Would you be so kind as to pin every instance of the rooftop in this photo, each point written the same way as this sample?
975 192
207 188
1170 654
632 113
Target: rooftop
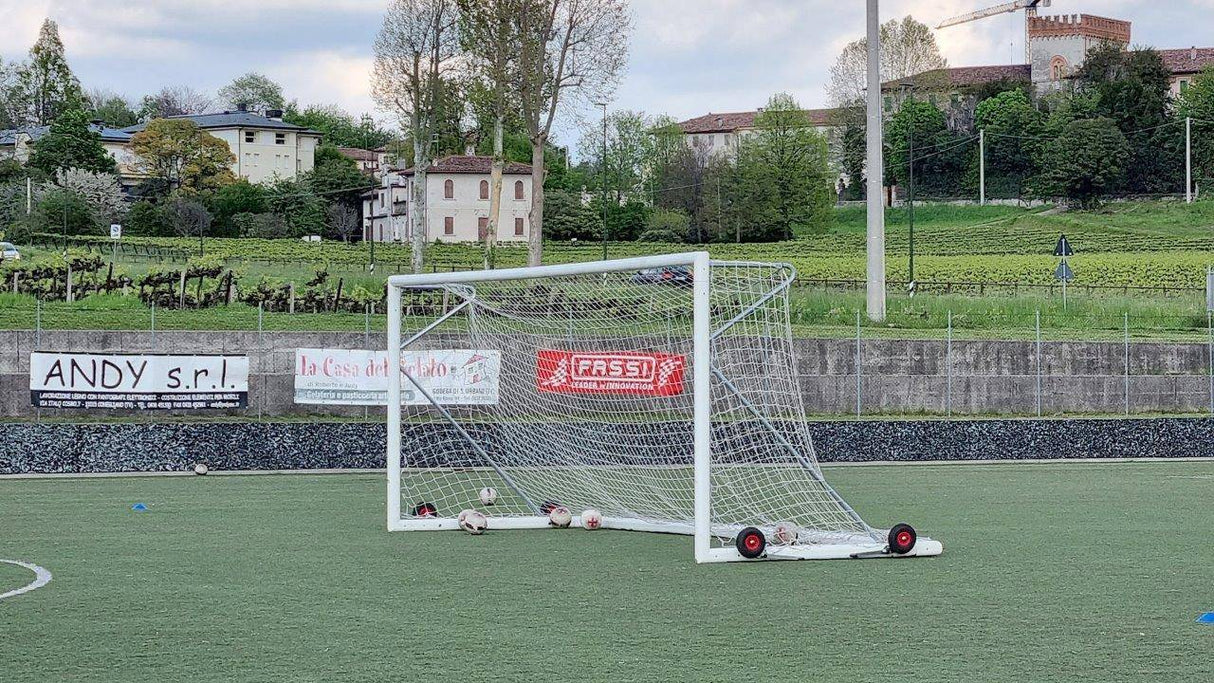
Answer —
232 119
456 164
1189 60
727 123
9 137
966 76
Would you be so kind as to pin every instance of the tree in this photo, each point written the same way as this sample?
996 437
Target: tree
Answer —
46 81
189 218
1198 102
64 212
784 165
100 190
940 154
71 143
680 182
145 219
174 101
12 104
253 91
853 157
1086 161
570 219
230 200
413 55
567 49
1011 122
490 38
182 155
343 220
301 210
1134 90
908 48
110 109
336 177
631 153
338 127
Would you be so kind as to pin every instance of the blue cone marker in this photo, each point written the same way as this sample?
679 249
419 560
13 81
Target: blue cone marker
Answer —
139 507
1207 618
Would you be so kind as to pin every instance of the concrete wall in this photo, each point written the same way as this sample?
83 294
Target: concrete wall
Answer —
85 448
896 376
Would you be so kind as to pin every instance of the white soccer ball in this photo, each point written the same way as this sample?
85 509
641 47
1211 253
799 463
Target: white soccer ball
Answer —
201 469
592 519
785 534
488 495
560 517
473 522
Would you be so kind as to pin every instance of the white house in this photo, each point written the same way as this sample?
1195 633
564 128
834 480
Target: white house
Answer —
457 202
266 147
721 133
19 143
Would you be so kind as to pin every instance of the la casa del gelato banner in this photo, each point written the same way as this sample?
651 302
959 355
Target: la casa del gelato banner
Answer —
360 377
88 381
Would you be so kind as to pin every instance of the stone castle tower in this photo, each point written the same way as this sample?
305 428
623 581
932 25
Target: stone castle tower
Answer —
1058 44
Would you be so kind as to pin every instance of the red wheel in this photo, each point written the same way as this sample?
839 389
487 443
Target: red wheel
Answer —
902 539
425 510
751 543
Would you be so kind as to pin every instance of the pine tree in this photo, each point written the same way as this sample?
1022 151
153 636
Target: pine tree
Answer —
47 83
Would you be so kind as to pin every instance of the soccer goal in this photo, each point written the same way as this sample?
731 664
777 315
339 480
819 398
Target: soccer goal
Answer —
660 392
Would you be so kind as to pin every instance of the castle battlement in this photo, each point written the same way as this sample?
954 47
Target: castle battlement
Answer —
1080 26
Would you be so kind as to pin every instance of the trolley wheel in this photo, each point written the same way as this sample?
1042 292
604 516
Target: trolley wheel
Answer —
902 539
751 543
425 510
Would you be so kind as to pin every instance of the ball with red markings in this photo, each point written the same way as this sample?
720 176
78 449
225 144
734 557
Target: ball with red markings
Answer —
592 519
560 517
473 522
785 533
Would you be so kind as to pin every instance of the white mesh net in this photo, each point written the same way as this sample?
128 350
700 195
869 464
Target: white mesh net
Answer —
595 404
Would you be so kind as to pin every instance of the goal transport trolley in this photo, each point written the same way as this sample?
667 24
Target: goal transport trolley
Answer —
659 391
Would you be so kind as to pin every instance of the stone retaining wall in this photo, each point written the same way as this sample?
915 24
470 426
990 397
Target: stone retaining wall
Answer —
85 448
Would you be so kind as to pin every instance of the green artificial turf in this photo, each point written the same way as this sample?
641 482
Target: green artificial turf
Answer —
1051 572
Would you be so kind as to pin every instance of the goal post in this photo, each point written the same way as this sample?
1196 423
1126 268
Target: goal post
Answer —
660 391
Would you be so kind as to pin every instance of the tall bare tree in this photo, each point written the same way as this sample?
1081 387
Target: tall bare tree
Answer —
343 220
568 50
414 53
908 48
489 38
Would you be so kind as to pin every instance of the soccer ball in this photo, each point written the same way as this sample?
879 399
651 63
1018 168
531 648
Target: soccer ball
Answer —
473 522
201 469
785 534
592 519
560 517
488 495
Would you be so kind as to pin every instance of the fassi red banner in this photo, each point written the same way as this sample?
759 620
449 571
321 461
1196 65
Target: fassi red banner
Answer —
624 372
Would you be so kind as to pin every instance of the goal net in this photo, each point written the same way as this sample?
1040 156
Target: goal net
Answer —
661 392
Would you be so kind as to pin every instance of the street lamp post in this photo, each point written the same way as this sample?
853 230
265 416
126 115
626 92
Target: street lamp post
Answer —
603 170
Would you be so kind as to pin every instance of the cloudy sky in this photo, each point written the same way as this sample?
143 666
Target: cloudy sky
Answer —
688 57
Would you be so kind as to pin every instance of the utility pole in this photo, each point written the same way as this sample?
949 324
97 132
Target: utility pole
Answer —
1188 159
875 239
910 189
982 167
603 169
29 196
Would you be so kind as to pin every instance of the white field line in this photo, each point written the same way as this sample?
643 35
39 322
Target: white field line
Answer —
41 578
825 465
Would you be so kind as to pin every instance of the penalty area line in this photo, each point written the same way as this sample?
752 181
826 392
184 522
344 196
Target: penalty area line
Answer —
41 578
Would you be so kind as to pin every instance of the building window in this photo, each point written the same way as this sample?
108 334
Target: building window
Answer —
449 189
518 227
518 190
482 228
1184 85
449 224
484 189
280 138
1058 68
250 136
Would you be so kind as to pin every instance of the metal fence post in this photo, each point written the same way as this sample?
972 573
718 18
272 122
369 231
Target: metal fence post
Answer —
948 391
38 324
859 368
153 324
261 343
367 345
1038 362
1210 356
1127 364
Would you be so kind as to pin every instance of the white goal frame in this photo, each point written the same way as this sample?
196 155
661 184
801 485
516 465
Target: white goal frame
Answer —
702 333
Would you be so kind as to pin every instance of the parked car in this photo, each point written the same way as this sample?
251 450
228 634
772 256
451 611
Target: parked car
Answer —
679 276
8 251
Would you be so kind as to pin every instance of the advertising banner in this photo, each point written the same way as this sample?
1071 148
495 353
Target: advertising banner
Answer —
360 377
85 381
608 372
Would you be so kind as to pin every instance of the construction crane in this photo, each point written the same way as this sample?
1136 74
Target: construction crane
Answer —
1030 11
